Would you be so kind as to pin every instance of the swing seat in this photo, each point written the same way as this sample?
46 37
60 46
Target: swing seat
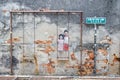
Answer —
63 58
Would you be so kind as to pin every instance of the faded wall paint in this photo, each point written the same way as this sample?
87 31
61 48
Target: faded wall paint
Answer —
105 8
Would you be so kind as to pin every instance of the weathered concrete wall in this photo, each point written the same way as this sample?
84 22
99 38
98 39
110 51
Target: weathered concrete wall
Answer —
105 8
100 8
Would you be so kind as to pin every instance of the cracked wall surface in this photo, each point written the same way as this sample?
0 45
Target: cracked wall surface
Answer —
39 33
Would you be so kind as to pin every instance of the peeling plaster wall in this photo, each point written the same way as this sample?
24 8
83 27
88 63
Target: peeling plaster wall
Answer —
105 8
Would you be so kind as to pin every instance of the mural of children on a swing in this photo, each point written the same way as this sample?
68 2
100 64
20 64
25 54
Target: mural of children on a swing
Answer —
60 43
63 44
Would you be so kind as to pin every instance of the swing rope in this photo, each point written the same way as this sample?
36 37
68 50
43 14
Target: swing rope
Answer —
23 34
34 33
35 58
57 34
68 33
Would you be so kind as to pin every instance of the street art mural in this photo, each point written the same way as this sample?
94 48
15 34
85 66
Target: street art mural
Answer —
50 44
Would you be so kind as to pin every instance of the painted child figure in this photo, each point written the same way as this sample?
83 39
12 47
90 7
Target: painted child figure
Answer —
60 42
66 46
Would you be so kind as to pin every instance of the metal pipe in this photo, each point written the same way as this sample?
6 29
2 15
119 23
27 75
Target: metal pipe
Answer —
95 50
11 45
49 11
81 22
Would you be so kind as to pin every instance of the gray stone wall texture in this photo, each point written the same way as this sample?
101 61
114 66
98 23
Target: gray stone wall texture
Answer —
30 59
105 8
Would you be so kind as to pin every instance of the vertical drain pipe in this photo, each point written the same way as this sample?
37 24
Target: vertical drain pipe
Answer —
81 22
95 48
11 45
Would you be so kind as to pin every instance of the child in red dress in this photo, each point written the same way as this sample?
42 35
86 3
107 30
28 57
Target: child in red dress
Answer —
66 46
